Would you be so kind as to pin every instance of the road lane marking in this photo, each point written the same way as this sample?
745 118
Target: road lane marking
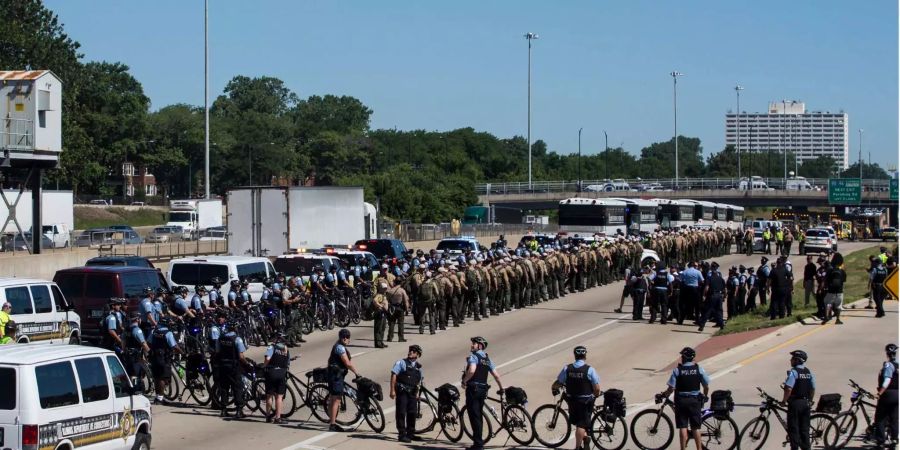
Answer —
307 444
783 344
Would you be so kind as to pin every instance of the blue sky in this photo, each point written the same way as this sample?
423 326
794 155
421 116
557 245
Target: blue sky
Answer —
600 65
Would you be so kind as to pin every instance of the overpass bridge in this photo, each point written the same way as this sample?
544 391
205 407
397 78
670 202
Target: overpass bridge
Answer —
546 195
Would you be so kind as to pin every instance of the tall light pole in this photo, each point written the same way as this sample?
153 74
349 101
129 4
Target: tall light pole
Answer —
860 154
675 74
206 94
737 91
606 153
529 37
579 159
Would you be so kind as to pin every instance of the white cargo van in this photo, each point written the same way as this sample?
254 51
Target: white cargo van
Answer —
68 397
191 272
40 311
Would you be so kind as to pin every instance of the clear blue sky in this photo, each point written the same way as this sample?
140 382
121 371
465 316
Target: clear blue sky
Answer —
598 65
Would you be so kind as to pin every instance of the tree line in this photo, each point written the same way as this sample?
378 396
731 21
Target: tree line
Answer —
262 132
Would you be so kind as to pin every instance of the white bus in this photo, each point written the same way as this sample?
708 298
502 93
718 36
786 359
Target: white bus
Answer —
735 217
592 215
675 213
641 216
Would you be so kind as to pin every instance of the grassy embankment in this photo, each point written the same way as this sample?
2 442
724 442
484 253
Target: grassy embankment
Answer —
856 288
90 217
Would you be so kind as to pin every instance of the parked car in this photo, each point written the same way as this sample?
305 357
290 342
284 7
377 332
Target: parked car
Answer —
888 233
93 236
214 234
40 311
20 244
120 260
818 240
100 202
165 234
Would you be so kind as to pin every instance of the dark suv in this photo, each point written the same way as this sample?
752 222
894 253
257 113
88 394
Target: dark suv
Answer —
120 260
89 289
391 248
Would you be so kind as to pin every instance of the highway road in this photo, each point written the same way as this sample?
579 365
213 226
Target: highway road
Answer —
530 346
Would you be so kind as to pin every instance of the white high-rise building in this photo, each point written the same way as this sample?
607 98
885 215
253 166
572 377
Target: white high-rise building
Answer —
788 126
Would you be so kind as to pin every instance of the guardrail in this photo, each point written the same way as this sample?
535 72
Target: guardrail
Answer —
656 185
107 243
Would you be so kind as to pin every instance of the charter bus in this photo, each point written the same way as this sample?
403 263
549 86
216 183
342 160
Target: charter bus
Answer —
721 215
675 213
735 217
640 215
592 215
704 212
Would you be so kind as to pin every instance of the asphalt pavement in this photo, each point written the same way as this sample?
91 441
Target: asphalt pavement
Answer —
531 346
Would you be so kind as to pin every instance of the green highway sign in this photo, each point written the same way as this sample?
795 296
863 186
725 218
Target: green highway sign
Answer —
844 191
894 189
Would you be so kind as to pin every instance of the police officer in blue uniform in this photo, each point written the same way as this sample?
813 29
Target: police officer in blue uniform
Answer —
180 306
691 280
162 346
715 295
662 281
339 363
113 326
147 311
877 276
582 387
762 279
277 362
475 382
886 410
686 381
215 294
799 390
233 294
406 376
135 347
229 374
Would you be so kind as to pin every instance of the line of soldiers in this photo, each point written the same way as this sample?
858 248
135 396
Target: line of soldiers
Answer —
439 290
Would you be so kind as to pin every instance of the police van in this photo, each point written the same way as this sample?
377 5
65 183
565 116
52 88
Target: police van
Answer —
191 272
54 397
40 311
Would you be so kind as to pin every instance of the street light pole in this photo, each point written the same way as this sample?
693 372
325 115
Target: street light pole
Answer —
675 74
860 154
579 159
606 153
529 37
737 90
206 94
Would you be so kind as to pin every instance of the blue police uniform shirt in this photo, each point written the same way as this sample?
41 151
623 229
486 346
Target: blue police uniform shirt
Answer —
138 335
196 303
751 280
214 296
270 350
245 296
215 331
691 277
232 297
276 287
111 322
238 342
339 349
170 339
120 317
397 271
266 294
179 300
400 367
158 309
341 275
704 379
792 377
766 270
888 372
473 360
146 307
592 374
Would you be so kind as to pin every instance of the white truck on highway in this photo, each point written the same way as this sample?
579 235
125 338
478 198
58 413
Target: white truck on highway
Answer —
195 216
273 221
57 215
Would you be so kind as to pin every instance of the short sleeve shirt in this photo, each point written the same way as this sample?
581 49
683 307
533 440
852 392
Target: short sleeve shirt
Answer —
704 378
792 378
592 374
473 360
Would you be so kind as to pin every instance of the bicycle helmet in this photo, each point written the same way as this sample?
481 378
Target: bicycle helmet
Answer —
481 341
183 289
199 288
148 290
344 333
161 291
267 282
235 283
580 351
245 282
800 355
688 354
891 349
215 281
416 348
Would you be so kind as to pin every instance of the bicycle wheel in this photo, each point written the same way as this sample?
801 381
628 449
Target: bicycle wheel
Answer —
609 435
255 398
306 323
822 431
291 401
199 389
342 317
517 422
754 434
355 316
145 377
426 416
321 319
317 400
487 429
718 433
450 422
349 413
551 425
174 387
652 430
846 426
374 415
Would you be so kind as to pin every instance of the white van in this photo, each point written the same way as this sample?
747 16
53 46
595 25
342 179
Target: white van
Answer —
40 311
755 183
797 184
69 397
199 271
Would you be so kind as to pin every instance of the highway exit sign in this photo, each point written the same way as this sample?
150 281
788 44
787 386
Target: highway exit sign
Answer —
894 189
844 191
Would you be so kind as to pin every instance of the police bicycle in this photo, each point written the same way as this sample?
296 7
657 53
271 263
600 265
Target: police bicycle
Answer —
356 404
552 427
512 417
324 311
653 429
439 409
847 421
190 379
822 428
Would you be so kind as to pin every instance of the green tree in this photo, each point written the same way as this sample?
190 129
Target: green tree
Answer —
658 159
821 167
344 115
869 171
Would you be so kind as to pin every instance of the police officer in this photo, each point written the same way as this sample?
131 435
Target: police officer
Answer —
640 287
113 326
162 346
229 360
886 410
686 380
478 366
715 295
179 307
876 279
691 280
135 347
406 376
380 306
148 314
762 279
799 390
339 363
215 294
662 285
582 386
398 304
233 294
277 362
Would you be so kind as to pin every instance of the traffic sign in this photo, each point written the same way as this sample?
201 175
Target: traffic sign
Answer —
894 189
891 286
844 191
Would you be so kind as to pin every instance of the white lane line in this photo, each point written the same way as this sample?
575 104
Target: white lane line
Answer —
307 444
725 371
563 341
